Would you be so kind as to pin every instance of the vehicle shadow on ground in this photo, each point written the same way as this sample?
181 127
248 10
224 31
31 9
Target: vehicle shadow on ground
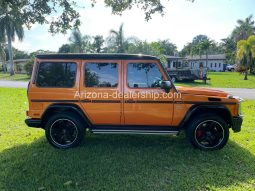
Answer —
127 162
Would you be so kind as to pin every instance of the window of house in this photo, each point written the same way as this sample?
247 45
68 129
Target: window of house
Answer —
56 74
215 65
211 65
101 74
143 75
219 65
169 64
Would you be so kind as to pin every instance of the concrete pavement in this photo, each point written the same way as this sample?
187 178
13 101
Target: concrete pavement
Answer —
244 93
13 84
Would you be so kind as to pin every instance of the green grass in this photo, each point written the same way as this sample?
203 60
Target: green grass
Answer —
119 162
16 77
224 80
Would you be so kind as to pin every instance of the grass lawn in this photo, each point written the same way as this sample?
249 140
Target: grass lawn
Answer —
119 162
224 80
16 77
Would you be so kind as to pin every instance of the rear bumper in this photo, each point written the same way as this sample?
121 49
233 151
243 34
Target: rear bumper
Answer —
33 122
237 123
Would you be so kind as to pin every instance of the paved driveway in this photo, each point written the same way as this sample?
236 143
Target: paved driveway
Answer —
244 93
241 92
13 84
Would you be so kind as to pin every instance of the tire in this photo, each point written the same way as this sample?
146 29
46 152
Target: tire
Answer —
208 132
64 131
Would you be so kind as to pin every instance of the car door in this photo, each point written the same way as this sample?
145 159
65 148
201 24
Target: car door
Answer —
100 83
145 103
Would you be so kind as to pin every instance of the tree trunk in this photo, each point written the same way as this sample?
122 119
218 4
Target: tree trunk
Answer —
9 46
247 68
246 74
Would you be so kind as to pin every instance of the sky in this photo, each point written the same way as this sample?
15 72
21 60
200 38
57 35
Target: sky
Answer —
182 21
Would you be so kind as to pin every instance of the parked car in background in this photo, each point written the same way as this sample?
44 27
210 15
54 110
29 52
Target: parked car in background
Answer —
231 67
185 73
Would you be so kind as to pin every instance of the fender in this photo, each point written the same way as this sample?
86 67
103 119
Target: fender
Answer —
195 109
65 107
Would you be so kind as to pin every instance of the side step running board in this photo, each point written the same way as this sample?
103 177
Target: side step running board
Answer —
100 131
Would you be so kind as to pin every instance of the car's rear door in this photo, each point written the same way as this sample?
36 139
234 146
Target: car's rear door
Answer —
100 85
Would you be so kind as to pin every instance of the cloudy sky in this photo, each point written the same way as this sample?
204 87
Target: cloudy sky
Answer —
183 20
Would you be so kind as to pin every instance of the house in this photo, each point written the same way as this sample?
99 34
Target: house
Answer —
174 62
19 65
215 62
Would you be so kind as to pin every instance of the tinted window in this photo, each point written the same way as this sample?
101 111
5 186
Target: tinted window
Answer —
143 75
101 75
56 74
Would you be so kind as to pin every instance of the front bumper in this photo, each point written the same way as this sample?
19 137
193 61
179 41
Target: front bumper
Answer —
33 122
237 123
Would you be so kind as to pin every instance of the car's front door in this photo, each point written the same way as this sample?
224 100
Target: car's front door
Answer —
100 83
145 103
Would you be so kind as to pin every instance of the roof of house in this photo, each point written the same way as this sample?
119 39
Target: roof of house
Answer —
19 61
174 57
97 56
210 57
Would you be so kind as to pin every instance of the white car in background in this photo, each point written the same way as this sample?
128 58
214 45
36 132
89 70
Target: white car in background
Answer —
231 67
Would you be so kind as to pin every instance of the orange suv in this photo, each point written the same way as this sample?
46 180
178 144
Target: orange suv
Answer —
126 94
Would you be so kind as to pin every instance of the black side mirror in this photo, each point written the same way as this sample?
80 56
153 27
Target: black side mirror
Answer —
166 85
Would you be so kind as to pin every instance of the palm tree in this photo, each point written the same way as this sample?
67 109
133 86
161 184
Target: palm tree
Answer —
244 29
11 26
229 46
119 39
205 45
2 54
98 43
246 51
77 41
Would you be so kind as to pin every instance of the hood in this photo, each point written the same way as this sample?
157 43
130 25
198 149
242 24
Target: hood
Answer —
202 91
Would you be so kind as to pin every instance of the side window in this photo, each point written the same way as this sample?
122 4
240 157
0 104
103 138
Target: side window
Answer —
143 75
56 74
101 75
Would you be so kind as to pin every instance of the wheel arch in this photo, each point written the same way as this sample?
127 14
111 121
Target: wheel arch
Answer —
59 108
196 110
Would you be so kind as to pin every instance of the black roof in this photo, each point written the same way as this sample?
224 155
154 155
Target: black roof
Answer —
97 56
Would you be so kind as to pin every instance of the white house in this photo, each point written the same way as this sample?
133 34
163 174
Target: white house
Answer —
215 62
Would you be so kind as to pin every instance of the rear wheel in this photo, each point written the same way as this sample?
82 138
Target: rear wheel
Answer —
64 130
208 132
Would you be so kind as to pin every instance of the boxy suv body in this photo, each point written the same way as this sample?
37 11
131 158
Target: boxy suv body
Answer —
118 93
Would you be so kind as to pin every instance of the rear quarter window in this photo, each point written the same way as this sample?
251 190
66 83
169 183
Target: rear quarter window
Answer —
56 74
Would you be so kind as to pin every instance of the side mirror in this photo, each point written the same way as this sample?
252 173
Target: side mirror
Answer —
166 85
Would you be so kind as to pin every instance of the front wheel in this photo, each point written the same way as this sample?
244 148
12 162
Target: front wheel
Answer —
208 132
64 130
